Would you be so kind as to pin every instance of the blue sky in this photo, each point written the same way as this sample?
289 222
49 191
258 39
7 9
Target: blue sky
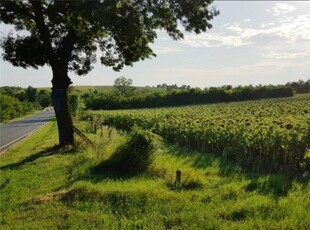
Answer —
251 42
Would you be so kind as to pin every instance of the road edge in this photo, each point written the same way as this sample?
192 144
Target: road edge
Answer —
5 147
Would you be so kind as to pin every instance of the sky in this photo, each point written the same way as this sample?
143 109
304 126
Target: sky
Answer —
251 42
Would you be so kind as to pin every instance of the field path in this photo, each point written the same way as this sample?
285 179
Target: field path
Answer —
15 131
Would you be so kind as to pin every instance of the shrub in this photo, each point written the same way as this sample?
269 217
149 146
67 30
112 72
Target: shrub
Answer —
11 107
135 155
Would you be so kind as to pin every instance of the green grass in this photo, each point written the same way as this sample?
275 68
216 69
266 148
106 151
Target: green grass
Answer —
45 188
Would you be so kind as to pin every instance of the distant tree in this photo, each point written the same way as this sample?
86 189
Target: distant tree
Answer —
31 94
172 86
300 86
44 98
227 87
11 90
187 87
22 96
164 86
65 35
123 86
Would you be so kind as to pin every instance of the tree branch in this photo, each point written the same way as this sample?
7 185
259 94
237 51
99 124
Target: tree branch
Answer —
67 45
43 31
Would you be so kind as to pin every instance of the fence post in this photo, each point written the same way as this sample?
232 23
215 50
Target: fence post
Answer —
177 181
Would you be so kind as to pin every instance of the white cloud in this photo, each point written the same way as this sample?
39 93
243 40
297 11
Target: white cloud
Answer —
281 8
289 29
160 49
264 25
286 55
212 40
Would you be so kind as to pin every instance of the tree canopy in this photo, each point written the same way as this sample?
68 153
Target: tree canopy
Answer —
123 86
68 33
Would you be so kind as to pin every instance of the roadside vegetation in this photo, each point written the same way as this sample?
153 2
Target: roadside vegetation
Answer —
11 107
17 102
127 180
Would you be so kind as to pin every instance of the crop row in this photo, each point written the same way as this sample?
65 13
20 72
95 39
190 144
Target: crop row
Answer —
272 135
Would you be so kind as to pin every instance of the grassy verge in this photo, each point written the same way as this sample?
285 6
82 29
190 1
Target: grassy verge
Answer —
44 188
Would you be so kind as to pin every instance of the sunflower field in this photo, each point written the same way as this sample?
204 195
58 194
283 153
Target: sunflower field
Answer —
270 135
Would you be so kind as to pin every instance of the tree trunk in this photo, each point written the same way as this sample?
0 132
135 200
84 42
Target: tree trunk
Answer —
64 121
61 82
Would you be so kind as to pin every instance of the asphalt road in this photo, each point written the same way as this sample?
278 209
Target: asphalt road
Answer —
12 132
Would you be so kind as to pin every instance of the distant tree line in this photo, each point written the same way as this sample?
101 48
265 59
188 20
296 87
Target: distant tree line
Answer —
38 97
184 96
300 86
16 101
174 86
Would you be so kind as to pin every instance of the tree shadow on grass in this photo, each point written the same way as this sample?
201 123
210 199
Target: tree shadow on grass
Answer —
125 163
116 168
274 184
99 172
107 170
43 153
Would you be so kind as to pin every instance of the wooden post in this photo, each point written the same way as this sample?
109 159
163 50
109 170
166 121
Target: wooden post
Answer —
177 181
95 128
110 133
82 135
